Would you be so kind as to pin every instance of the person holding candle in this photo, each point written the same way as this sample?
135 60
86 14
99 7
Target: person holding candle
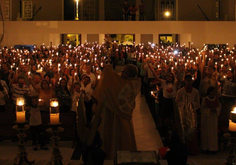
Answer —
210 110
64 96
35 122
207 81
75 92
45 93
87 89
37 82
228 96
169 86
25 74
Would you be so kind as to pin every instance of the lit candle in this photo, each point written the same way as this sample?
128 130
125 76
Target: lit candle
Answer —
20 117
54 111
99 77
54 118
232 125
20 111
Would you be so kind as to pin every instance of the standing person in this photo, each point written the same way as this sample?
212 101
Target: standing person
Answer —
64 96
87 90
37 80
210 110
116 107
45 93
133 10
5 73
192 95
125 10
141 11
75 93
169 86
35 122
19 89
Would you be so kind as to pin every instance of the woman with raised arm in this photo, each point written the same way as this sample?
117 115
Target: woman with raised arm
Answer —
169 93
45 94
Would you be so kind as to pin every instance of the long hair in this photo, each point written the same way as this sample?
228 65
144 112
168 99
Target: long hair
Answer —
43 82
66 88
173 79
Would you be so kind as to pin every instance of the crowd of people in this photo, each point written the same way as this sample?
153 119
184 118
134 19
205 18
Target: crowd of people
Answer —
204 78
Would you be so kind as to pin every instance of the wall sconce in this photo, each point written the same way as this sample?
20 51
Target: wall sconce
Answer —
77 10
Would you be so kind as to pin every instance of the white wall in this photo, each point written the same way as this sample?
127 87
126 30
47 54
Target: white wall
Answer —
38 32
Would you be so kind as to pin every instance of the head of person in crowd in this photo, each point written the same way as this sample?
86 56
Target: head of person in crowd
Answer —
129 71
66 77
209 71
10 61
44 85
21 81
211 92
32 62
25 69
63 84
188 80
33 69
5 67
223 69
47 68
37 78
86 79
34 101
88 69
47 78
55 70
77 87
170 78
230 75
72 72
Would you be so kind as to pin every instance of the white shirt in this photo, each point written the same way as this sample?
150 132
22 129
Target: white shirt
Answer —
88 90
194 98
35 117
33 92
169 90
92 77
75 98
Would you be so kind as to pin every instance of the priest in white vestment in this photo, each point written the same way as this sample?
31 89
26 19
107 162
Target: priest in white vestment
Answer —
115 99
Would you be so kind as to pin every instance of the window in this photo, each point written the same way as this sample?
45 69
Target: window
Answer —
168 39
71 39
124 39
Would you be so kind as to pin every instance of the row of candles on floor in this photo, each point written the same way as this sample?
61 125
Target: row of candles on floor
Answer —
54 110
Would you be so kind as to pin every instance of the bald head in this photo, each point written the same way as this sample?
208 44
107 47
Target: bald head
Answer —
130 71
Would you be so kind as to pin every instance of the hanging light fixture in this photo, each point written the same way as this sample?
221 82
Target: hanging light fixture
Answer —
77 10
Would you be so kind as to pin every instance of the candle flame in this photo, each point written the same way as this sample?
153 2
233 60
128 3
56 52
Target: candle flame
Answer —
234 111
